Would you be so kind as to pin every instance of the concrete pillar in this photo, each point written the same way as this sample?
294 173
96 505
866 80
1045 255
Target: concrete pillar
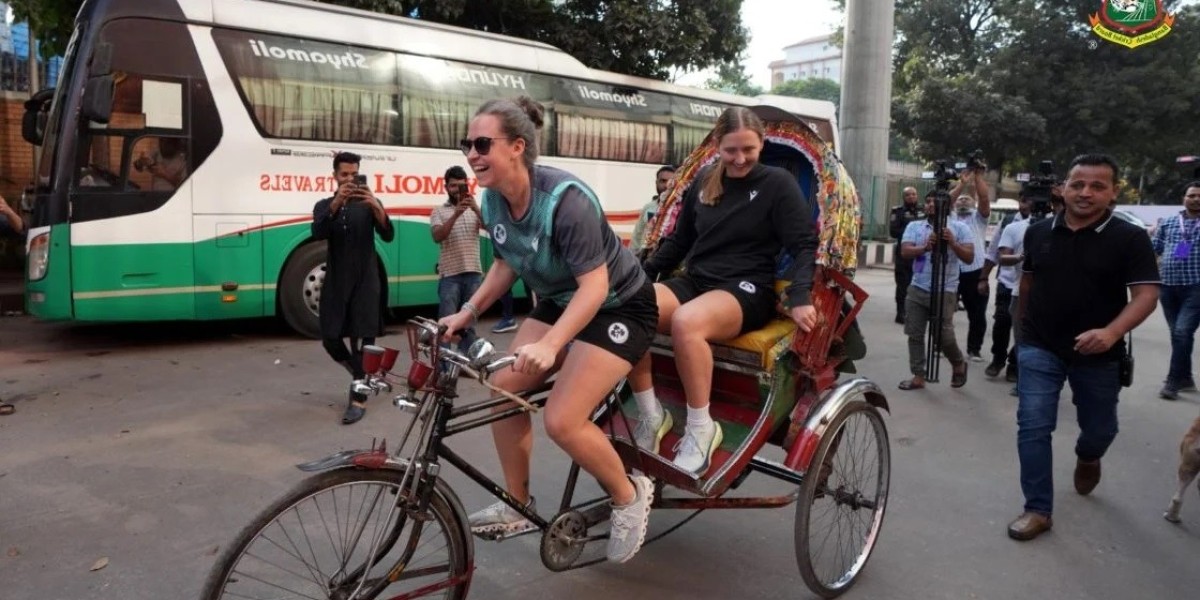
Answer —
866 105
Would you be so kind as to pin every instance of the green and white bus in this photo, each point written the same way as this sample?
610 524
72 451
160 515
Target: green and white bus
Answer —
188 140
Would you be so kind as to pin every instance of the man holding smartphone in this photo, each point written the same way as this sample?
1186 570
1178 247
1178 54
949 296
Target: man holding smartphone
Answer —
352 299
455 227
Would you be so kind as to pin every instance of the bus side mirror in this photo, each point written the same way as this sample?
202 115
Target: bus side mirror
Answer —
33 122
33 126
98 99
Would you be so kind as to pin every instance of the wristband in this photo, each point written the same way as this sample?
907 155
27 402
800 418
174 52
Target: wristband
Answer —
471 308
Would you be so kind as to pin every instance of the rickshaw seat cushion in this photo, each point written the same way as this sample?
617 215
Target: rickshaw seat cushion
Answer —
763 341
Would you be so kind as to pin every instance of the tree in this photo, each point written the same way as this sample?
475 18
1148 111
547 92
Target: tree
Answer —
626 36
732 79
1025 80
815 89
51 20
634 37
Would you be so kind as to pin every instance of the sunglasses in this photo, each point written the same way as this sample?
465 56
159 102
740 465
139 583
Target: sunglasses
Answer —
482 145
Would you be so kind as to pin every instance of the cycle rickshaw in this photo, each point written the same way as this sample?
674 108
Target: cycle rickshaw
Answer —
378 524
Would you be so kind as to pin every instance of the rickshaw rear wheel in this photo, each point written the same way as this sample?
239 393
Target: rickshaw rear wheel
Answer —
839 513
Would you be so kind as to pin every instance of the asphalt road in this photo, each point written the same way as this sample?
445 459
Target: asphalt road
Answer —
152 445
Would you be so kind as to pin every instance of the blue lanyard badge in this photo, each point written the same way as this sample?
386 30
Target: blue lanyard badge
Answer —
1183 249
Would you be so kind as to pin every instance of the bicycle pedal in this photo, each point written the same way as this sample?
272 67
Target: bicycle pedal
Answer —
500 536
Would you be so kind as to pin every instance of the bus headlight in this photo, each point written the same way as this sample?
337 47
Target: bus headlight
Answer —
39 257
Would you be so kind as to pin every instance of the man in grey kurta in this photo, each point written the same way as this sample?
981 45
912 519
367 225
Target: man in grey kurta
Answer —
352 298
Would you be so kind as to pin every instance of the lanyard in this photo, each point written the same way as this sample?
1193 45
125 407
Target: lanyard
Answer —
1187 233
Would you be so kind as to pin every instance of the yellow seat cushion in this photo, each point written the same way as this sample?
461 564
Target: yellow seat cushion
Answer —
758 347
762 341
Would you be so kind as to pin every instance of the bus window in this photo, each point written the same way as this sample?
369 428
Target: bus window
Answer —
685 139
306 90
609 139
160 163
441 96
100 163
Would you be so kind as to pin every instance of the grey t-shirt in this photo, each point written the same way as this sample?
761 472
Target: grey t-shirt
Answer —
580 240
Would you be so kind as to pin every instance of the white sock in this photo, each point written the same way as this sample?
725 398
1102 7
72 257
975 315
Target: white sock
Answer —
698 419
647 402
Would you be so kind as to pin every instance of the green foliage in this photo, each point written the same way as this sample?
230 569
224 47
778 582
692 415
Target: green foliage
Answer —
732 79
52 21
648 39
816 89
1025 80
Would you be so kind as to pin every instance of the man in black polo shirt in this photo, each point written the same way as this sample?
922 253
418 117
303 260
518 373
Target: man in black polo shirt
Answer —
1088 279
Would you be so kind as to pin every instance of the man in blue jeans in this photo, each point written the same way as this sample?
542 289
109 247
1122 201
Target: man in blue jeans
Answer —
455 226
1177 241
1087 280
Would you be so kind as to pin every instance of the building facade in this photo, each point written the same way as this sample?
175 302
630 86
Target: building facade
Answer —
814 58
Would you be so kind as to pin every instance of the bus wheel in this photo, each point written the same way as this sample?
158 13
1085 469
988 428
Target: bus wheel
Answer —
300 290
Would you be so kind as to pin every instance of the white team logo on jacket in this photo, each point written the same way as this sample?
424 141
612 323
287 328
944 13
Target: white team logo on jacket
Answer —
534 243
747 287
618 333
499 233
753 195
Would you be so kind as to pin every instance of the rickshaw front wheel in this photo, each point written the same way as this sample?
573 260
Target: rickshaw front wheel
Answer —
840 510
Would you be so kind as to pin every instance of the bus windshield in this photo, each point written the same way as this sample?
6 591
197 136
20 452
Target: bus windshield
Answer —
54 123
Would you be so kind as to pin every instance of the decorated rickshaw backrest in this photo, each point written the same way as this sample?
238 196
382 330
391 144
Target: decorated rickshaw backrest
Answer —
792 145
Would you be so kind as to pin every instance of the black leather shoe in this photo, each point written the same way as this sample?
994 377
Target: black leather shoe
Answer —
355 409
1087 475
993 369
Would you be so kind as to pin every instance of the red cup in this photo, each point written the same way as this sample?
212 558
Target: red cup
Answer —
389 359
418 375
372 355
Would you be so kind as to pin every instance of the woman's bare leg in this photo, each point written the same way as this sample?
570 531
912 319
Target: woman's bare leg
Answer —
714 315
640 378
514 436
588 374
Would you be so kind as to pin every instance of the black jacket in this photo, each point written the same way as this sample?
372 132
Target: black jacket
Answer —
351 297
901 216
740 238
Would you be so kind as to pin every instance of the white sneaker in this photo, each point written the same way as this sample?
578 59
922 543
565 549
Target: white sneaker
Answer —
500 518
628 529
650 430
693 452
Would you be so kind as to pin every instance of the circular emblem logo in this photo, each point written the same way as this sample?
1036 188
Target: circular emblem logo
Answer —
747 287
499 233
618 333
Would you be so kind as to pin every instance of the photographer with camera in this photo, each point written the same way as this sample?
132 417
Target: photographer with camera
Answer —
455 228
901 216
1176 242
1088 279
351 295
937 257
973 211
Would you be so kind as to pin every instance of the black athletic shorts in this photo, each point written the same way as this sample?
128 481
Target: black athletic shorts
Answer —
625 330
757 301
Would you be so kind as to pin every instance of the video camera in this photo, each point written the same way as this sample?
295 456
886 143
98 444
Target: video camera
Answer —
945 173
1039 189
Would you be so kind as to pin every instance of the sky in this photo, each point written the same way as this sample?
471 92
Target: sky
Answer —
774 24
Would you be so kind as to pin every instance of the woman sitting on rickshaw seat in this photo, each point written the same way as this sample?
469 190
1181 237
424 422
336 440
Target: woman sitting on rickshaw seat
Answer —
734 221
